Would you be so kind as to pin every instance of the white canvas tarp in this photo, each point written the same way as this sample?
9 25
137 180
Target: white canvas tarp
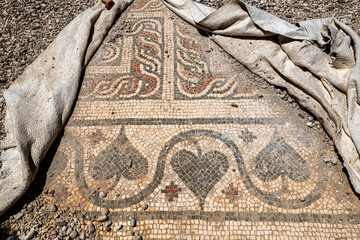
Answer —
40 101
317 62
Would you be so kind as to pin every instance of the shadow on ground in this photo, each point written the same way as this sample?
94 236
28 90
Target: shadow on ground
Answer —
34 191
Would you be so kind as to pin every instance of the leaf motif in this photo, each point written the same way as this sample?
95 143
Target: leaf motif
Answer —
279 158
114 160
200 173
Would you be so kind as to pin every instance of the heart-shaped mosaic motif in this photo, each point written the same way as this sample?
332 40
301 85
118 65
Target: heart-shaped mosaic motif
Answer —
279 158
200 173
121 159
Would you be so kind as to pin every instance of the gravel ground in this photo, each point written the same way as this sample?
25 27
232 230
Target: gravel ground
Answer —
348 11
26 29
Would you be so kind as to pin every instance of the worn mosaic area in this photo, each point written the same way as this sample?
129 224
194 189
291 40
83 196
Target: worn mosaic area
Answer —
165 119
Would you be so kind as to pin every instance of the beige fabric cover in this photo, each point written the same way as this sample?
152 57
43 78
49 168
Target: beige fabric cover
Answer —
314 60
41 99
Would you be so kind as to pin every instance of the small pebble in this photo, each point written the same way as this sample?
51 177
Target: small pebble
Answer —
22 236
102 194
82 236
52 232
146 206
18 215
68 231
73 234
129 163
30 234
309 124
133 222
91 227
102 218
104 211
118 227
138 238
29 210
62 223
53 208
107 228
302 199
108 224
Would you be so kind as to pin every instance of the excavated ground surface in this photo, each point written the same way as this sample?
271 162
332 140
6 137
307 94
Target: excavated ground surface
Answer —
171 131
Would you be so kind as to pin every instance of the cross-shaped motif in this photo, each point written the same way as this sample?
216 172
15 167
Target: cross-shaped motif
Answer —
96 136
231 192
171 191
247 136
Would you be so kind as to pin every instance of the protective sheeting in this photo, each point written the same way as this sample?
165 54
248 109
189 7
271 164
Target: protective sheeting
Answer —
41 99
314 60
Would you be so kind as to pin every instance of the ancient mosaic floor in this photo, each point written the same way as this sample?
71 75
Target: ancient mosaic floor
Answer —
166 119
